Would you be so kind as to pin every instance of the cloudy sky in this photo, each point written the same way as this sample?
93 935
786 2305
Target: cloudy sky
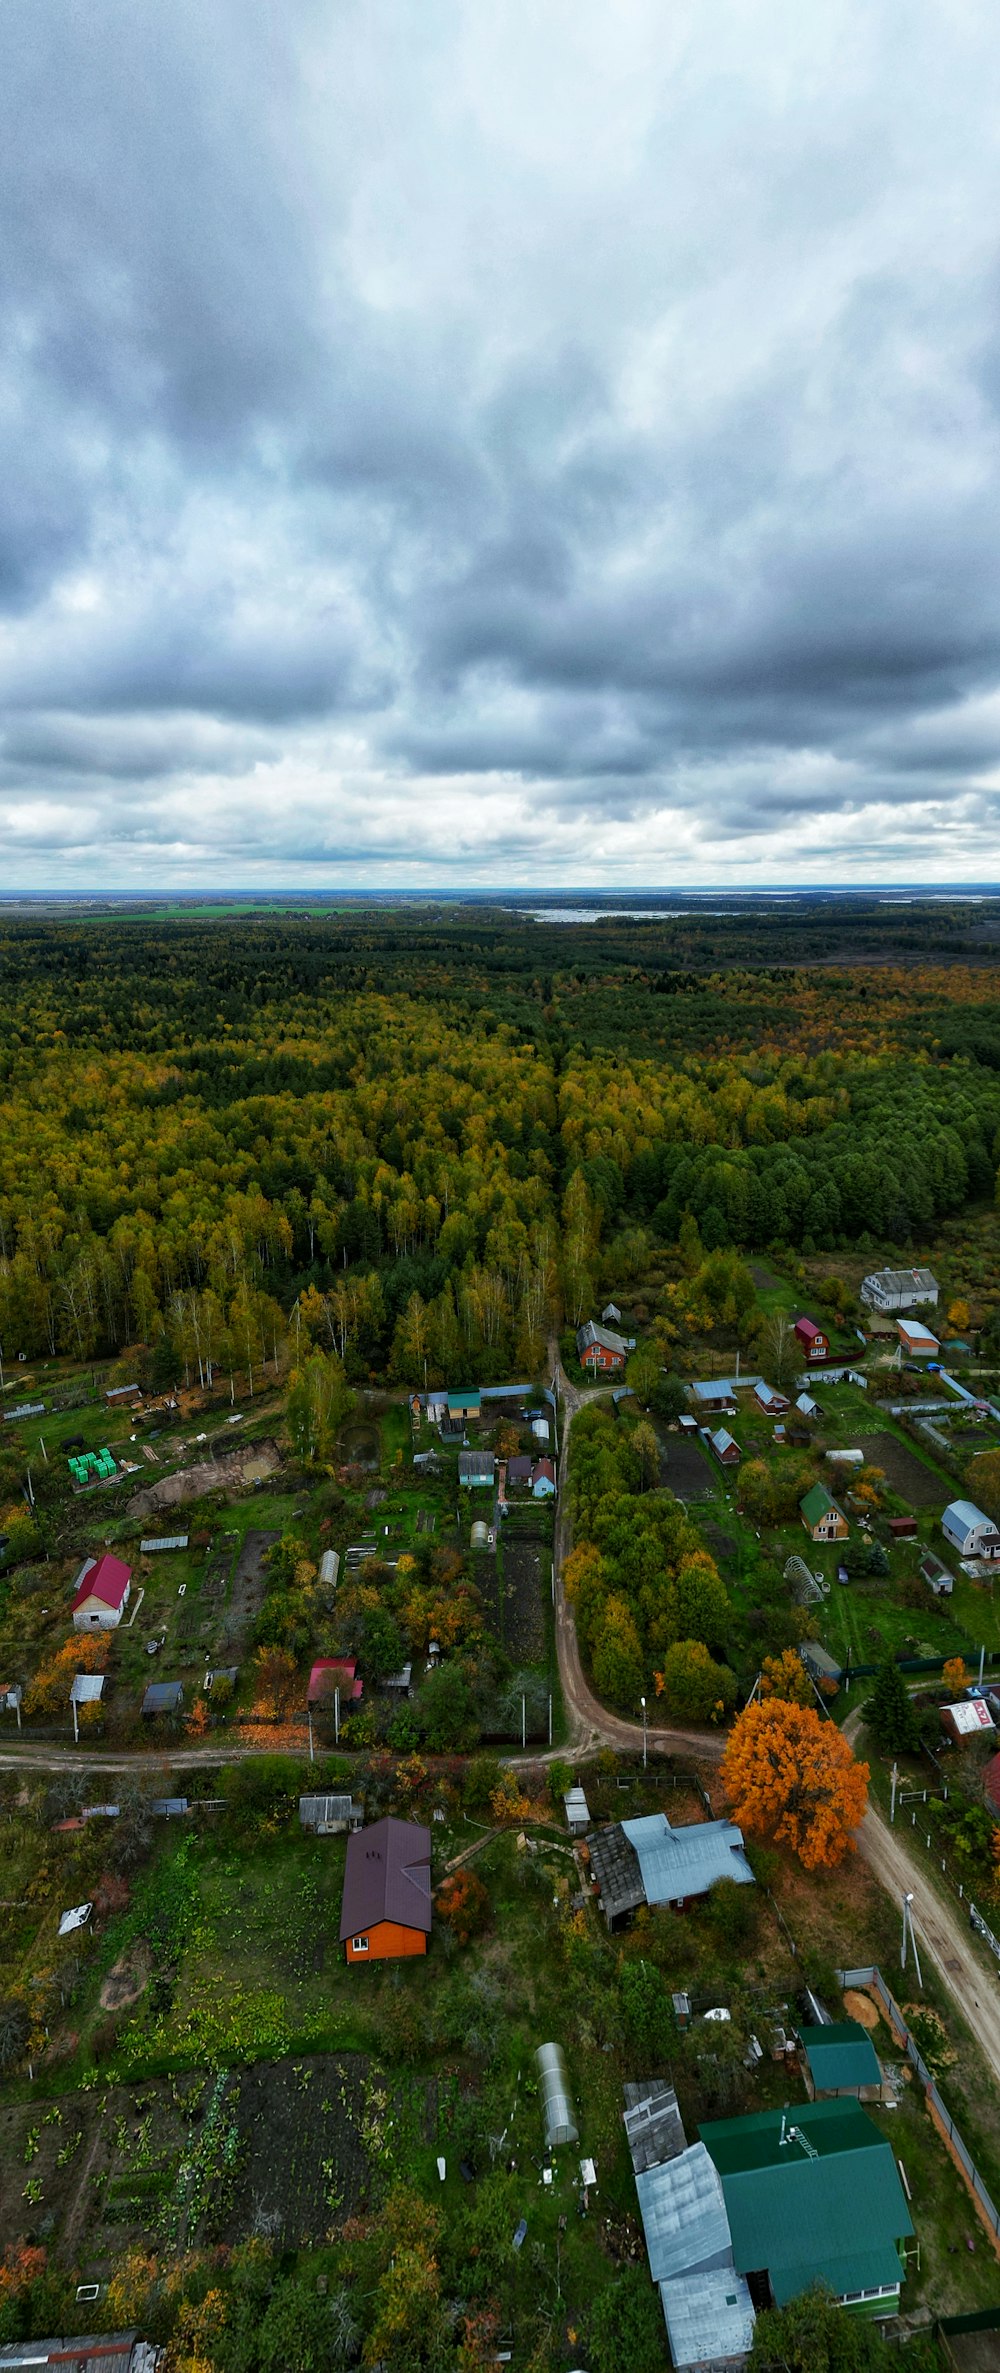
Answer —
533 442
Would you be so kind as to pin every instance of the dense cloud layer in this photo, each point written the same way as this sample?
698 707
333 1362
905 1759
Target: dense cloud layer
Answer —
454 444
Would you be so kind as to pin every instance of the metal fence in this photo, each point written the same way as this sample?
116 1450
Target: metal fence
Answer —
874 1979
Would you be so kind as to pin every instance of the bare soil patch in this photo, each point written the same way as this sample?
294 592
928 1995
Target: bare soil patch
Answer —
722 1545
903 1471
522 1625
128 1977
307 2130
684 1470
235 1472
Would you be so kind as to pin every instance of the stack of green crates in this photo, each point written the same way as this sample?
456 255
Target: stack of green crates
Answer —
92 1466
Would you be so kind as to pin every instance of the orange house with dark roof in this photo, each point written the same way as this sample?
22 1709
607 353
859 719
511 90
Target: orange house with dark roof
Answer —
386 1908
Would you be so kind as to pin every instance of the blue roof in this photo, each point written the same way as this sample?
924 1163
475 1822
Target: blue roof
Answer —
721 1391
686 1861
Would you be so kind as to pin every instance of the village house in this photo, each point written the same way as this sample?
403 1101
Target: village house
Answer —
519 1473
464 1407
476 1469
713 1398
543 1479
822 1518
811 1340
101 1594
386 1905
969 1531
331 1674
599 1349
899 1289
813 2195
648 1861
769 1402
969 1718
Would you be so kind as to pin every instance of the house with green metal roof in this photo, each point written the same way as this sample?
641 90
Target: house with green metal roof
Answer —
840 2058
813 2195
822 1518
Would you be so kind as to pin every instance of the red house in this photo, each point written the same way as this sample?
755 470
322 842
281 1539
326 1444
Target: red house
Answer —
811 1339
598 1348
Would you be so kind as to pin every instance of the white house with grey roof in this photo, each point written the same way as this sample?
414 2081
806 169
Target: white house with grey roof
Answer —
899 1289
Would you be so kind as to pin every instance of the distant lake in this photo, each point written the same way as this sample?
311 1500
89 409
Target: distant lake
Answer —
611 914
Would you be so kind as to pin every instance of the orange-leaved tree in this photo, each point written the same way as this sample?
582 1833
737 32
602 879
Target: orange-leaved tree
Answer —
792 1777
954 1674
785 1676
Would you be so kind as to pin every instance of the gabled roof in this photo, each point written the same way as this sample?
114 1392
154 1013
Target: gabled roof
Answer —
108 2352
709 2317
475 1466
590 1334
653 2128
683 2211
519 1470
835 2216
86 1689
808 1326
330 1673
106 1579
840 2056
687 1860
817 1503
808 1406
706 1390
163 1697
722 1442
457 1401
543 1471
965 1513
387 1876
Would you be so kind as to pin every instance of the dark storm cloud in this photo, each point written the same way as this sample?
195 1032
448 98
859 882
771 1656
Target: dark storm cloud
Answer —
561 440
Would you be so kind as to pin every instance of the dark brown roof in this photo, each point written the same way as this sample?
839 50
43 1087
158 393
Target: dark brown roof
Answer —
387 1877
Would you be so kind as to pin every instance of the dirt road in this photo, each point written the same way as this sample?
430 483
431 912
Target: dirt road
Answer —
590 1723
966 1967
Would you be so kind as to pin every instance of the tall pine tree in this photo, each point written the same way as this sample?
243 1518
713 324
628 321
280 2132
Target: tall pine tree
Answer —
889 1713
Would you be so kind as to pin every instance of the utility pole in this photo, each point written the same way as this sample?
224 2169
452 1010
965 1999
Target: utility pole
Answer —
550 1717
909 1929
642 1702
892 1807
309 1714
336 1717
524 1723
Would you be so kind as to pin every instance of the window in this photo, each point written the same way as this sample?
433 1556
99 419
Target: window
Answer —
359 1944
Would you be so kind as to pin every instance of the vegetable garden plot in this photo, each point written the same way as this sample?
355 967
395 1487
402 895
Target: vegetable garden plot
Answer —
904 1472
320 2138
249 1584
685 1472
523 1624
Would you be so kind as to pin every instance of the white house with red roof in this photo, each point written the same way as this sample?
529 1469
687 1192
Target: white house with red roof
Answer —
101 1595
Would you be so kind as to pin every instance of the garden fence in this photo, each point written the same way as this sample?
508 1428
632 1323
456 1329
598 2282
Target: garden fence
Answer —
943 2117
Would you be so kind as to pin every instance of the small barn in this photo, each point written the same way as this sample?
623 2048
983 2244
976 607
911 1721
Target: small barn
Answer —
611 1315
969 1531
465 1406
936 1575
329 1816
713 1399
916 1340
807 1407
577 1814
770 1402
840 2058
162 1697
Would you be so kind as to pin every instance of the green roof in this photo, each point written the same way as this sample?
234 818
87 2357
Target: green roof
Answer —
834 2217
817 1503
841 2056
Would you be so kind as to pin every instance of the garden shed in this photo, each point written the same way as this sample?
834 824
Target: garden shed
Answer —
577 1814
840 2058
560 2123
163 1697
328 1816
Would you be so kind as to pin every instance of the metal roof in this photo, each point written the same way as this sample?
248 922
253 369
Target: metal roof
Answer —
720 1391
575 1804
169 1541
683 2212
653 2128
817 1503
965 1513
163 1697
829 2209
110 2352
104 1578
86 1688
841 2056
615 1865
590 1334
475 1466
323 1811
560 2123
688 1860
708 2316
387 1876
722 1442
